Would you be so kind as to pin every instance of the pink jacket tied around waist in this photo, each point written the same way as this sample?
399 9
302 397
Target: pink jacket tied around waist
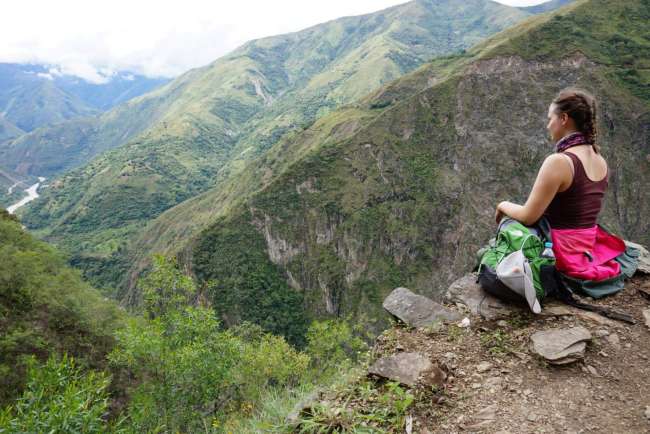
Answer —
587 253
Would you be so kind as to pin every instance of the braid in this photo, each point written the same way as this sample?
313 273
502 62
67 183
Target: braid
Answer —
581 107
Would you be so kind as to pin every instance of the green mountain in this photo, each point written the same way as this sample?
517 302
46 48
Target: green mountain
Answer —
46 308
400 187
204 127
8 130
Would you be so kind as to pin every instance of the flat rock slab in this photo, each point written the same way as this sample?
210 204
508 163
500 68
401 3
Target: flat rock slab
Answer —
416 310
561 346
646 316
408 369
469 293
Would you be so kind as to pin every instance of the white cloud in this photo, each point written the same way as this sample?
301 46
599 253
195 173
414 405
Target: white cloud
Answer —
94 39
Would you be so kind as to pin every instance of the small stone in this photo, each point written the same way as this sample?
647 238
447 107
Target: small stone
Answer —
646 316
593 371
647 412
494 381
487 413
502 323
407 368
556 310
532 417
464 323
595 317
483 367
601 333
643 265
614 341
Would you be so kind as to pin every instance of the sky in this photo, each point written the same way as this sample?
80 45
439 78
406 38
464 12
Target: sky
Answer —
95 39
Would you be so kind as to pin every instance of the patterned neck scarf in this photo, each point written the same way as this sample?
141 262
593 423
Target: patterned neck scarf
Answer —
572 139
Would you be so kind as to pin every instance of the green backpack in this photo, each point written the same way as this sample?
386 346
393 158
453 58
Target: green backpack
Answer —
510 266
518 246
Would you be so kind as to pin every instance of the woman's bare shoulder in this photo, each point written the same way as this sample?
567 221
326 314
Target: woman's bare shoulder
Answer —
558 160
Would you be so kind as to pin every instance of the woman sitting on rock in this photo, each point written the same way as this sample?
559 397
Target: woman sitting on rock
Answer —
569 192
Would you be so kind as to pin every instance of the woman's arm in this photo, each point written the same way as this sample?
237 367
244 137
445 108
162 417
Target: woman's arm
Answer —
549 179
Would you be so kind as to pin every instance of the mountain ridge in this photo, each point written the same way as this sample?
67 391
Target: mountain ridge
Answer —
313 219
204 138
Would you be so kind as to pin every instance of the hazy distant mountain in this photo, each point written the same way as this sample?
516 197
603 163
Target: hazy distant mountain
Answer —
32 95
546 7
29 101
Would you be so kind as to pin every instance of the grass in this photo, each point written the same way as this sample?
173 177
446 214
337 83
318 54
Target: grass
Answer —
497 342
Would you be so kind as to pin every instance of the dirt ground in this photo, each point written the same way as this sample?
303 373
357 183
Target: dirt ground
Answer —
496 384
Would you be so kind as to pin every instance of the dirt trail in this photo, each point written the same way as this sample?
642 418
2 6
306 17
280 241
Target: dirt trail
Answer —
498 385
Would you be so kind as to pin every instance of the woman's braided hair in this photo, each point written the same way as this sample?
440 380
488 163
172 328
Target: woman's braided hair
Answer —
580 106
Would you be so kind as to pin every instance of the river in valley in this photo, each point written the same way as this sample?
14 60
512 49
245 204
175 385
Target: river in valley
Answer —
32 193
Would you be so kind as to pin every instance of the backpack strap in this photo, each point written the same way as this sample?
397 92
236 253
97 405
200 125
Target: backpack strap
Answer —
558 288
544 227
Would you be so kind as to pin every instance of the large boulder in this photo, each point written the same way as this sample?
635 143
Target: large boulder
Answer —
561 346
470 294
416 310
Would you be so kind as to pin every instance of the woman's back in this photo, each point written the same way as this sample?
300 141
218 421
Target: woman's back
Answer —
578 204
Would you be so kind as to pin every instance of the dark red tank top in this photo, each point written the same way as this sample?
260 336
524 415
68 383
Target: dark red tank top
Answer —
579 205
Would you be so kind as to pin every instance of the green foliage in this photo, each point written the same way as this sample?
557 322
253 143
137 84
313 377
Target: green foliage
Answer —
45 307
379 409
186 368
59 398
333 345
244 285
166 289
190 373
